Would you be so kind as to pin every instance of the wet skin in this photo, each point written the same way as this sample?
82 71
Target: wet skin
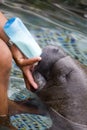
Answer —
63 86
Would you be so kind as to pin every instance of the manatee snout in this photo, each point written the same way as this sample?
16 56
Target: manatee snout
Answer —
39 79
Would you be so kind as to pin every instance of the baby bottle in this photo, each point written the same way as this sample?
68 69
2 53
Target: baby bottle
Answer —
22 38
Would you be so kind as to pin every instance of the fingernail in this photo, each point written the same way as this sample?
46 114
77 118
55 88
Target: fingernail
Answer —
36 86
39 58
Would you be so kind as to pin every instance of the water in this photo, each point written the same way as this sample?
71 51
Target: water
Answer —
49 23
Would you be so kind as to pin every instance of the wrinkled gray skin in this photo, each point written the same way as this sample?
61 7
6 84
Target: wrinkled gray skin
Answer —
63 87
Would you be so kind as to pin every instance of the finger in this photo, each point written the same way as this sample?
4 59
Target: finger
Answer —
34 60
24 62
30 79
26 82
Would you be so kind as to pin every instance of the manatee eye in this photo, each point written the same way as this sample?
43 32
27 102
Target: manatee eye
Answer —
68 75
55 50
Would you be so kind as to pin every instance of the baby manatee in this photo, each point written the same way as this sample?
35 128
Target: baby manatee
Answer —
62 85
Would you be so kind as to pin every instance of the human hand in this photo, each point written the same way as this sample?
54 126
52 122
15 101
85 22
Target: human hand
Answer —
26 65
27 72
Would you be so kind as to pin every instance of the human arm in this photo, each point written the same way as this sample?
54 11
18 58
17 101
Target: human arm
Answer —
24 64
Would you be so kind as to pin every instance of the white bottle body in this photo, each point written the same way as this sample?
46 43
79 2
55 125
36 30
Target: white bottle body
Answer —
22 38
